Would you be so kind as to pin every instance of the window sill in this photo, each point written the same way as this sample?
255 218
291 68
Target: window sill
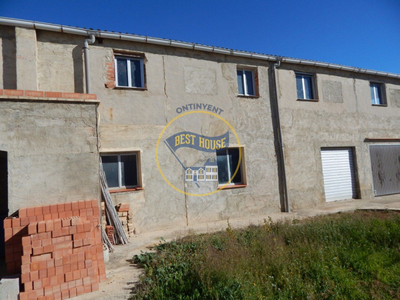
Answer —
248 96
380 105
236 186
129 88
308 100
125 190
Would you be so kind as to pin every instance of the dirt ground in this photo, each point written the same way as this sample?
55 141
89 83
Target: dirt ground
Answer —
122 275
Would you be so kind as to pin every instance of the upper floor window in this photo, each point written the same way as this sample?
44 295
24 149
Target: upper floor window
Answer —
246 82
305 86
122 170
377 97
129 72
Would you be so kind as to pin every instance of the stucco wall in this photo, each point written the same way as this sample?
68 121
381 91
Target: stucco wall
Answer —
342 117
52 152
133 120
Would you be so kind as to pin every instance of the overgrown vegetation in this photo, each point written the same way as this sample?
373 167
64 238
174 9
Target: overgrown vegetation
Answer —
343 256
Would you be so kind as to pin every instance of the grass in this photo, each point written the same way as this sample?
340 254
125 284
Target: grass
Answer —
342 256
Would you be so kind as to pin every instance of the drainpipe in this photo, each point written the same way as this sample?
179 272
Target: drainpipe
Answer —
280 146
86 55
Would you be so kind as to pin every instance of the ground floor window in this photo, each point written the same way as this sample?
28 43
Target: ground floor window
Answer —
122 170
228 160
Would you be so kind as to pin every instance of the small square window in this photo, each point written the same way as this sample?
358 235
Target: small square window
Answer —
377 95
228 160
129 72
122 170
305 86
246 82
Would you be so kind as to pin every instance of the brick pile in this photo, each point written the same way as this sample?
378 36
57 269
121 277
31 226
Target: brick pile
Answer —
110 233
57 249
125 218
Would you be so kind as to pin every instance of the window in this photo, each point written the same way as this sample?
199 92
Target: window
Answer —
377 94
129 72
122 170
305 86
228 160
246 82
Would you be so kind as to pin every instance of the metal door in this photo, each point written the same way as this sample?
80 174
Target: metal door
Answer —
385 164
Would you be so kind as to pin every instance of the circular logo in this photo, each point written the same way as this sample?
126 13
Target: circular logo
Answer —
188 139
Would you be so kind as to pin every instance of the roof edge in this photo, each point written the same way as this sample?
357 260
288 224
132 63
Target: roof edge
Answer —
185 45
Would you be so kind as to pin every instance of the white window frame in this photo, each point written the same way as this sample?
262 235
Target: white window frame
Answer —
244 82
118 155
313 90
241 168
129 70
378 89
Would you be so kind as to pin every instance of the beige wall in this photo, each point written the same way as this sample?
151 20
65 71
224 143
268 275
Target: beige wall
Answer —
131 121
52 152
342 117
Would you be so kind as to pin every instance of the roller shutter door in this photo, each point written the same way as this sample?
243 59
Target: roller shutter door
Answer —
338 173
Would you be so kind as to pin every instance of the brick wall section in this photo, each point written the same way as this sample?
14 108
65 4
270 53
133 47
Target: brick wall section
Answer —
57 249
42 94
110 75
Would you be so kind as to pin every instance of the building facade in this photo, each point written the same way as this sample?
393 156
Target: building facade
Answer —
189 133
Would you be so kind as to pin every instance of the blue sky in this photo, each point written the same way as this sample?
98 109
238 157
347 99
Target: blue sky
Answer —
358 33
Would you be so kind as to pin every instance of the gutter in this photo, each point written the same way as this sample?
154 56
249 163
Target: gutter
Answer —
184 45
280 153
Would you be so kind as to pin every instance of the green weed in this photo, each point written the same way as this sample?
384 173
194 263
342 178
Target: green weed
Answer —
343 256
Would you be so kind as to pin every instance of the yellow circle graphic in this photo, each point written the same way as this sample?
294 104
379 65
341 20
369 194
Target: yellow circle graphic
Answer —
199 112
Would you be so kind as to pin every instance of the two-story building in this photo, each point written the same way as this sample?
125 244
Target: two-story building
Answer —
284 133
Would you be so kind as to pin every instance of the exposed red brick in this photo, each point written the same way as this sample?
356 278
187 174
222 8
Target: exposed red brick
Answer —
7 223
24 221
80 290
43 273
51 271
41 258
32 219
46 209
66 222
13 92
48 290
57 224
22 212
53 94
25 259
37 251
15 222
32 228
76 221
23 296
38 210
72 292
72 95
41 226
68 206
37 284
26 277
89 96
28 286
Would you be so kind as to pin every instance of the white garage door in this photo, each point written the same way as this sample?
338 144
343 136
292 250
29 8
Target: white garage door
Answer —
338 172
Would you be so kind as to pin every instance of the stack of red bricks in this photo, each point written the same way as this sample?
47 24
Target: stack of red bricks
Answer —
57 249
125 218
110 233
